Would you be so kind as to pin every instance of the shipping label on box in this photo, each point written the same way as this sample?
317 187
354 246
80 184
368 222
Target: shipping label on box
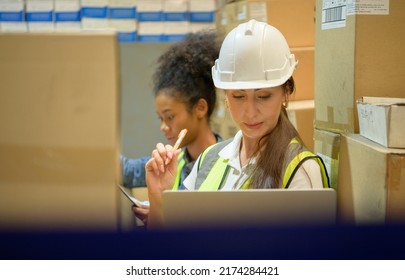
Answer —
382 120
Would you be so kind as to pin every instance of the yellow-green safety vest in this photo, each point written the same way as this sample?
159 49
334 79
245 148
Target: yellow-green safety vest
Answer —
180 164
214 169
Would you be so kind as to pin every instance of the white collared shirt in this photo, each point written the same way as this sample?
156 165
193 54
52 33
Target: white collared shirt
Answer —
308 176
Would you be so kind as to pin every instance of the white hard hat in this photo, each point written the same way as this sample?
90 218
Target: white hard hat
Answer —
253 55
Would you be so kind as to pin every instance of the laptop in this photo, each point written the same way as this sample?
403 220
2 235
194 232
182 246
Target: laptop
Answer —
247 208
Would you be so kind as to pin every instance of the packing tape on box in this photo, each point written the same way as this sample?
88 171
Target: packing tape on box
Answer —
331 125
329 145
397 174
395 212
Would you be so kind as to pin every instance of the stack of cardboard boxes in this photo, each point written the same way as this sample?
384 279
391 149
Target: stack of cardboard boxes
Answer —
133 20
295 19
359 52
59 146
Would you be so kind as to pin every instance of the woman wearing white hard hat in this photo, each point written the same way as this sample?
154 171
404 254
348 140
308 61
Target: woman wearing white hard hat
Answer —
255 69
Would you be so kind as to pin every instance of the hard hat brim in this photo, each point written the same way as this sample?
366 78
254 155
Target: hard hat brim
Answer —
248 84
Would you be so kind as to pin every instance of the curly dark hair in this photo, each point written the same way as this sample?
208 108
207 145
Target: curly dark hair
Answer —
184 70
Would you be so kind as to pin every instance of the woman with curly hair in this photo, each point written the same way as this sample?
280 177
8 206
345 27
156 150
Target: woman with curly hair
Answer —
185 98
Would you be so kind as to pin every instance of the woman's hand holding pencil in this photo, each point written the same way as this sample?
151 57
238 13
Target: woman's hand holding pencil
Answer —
180 138
161 170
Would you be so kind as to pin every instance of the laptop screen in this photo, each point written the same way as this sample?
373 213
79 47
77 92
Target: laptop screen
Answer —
275 207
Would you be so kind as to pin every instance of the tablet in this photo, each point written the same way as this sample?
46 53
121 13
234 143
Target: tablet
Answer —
136 202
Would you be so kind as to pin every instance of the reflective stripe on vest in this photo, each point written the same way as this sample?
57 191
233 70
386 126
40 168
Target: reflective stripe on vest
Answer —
180 164
297 161
218 173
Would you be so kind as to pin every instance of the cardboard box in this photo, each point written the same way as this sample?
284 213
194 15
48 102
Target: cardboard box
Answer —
12 11
232 14
126 29
225 19
60 139
327 146
202 11
122 18
67 15
175 10
12 16
201 26
371 187
362 58
295 19
175 31
94 9
304 74
301 115
122 9
382 120
251 9
40 15
299 29
151 31
149 10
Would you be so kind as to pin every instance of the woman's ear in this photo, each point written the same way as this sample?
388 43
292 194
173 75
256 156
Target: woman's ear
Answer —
286 99
201 108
